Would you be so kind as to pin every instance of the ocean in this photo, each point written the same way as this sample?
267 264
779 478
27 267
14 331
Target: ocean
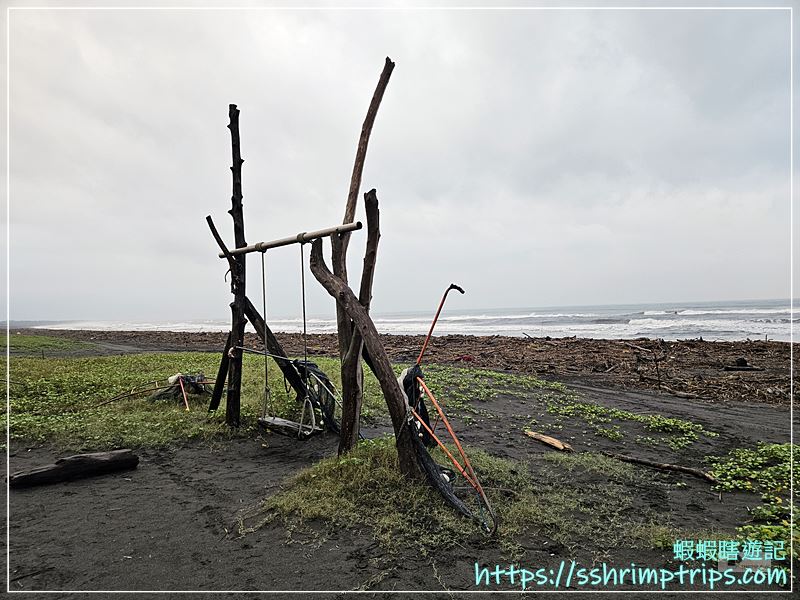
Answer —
734 320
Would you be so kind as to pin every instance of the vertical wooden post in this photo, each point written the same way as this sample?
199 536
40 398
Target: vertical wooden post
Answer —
238 319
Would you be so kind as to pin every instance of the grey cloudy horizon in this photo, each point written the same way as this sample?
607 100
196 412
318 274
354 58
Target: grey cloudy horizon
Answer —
537 158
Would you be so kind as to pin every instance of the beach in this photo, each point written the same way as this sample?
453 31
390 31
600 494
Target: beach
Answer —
172 523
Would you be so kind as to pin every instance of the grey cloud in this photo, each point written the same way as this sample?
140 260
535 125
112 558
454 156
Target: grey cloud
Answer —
538 158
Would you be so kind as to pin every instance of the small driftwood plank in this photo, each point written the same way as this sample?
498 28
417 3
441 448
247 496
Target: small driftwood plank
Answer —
75 467
664 466
549 441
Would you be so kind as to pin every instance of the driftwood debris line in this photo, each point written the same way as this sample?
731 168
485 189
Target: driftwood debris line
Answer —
694 366
75 467
679 394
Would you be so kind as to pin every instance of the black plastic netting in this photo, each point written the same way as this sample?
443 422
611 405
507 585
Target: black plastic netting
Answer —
438 477
320 392
417 402
434 473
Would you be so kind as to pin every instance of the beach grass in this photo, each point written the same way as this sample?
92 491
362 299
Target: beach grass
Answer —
65 401
365 491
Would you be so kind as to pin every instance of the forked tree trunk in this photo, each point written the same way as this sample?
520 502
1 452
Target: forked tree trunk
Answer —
395 398
350 348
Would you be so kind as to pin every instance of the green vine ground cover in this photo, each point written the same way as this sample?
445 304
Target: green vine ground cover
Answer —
678 433
56 400
464 389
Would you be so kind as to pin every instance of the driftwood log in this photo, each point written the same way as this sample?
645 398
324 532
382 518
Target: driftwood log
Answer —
663 466
232 355
564 447
222 372
75 467
549 441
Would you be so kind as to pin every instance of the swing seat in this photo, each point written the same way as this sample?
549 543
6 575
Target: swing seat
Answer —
289 428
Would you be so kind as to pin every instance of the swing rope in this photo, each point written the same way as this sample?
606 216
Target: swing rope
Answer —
305 332
265 408
307 400
310 397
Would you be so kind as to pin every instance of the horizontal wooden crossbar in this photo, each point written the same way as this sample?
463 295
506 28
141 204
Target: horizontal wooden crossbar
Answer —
300 238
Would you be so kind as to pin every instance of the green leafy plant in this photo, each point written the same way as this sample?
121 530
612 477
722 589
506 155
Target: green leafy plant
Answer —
764 469
682 432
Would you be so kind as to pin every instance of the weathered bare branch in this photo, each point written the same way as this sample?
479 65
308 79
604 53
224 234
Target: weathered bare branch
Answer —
340 243
363 141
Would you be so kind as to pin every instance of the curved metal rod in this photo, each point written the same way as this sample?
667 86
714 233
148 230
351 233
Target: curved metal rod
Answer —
453 286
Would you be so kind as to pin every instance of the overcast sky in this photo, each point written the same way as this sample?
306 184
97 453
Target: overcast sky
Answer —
537 158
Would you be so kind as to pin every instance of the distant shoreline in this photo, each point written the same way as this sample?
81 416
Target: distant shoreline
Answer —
731 321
